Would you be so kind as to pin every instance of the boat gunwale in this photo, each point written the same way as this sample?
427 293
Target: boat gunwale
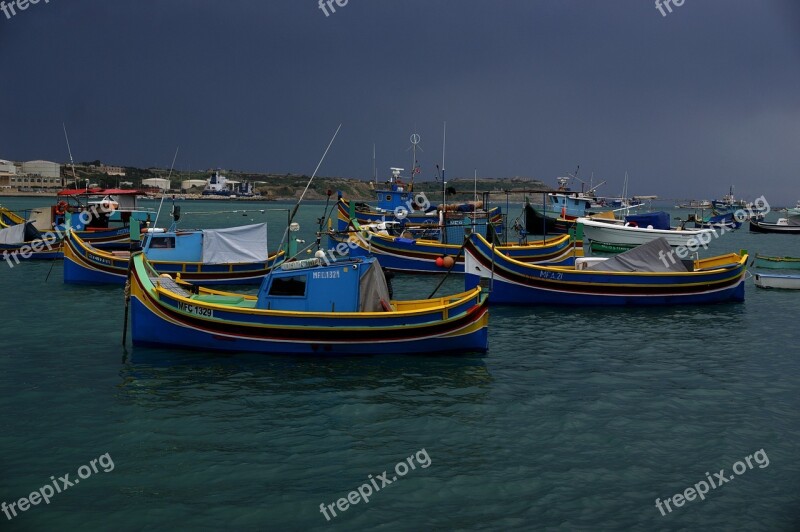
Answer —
438 307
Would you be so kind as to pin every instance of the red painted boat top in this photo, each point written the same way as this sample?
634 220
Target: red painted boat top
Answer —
101 191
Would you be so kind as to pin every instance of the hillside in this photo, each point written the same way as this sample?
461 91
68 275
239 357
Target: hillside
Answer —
289 186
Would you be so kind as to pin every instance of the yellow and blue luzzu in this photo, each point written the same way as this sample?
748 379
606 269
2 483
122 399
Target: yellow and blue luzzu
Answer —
646 275
183 253
305 307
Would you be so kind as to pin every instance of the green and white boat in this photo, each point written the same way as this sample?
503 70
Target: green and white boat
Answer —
777 263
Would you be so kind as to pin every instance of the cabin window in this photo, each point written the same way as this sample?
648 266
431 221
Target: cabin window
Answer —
388 197
288 286
162 242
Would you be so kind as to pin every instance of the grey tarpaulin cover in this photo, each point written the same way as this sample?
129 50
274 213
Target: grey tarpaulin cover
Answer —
644 258
247 243
372 289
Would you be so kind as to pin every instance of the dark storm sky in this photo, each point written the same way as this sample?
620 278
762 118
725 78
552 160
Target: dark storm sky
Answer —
687 104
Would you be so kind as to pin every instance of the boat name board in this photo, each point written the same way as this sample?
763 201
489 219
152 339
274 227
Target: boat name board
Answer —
326 275
198 311
101 260
555 276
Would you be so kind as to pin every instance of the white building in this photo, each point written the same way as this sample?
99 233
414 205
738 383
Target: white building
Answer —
7 168
156 182
189 183
42 169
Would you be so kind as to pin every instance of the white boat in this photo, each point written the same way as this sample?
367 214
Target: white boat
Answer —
620 233
776 280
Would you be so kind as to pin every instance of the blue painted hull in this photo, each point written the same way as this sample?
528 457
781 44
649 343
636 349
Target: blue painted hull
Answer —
420 256
504 292
149 330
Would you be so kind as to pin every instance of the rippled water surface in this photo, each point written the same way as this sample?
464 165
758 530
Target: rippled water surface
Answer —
574 420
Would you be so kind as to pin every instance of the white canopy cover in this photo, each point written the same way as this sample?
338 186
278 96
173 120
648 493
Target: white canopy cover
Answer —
246 243
13 235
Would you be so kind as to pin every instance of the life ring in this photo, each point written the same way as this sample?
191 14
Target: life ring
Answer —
61 207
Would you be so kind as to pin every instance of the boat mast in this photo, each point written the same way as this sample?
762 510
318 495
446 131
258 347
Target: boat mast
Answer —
74 177
300 200
155 222
444 182
415 138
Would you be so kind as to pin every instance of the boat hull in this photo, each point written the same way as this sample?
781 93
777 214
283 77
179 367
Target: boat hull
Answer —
512 282
777 263
762 227
537 223
777 281
610 233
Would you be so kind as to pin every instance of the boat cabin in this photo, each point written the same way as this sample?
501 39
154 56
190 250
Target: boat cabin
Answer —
311 285
234 245
396 195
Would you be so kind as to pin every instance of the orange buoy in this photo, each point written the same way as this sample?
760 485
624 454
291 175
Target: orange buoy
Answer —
439 261
448 261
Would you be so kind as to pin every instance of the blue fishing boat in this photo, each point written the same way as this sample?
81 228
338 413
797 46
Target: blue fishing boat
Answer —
397 201
718 221
304 307
646 275
237 255
559 210
399 248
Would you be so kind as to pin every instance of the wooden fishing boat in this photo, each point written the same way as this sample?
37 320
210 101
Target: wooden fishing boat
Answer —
779 281
618 232
305 307
183 253
646 275
777 263
101 217
398 249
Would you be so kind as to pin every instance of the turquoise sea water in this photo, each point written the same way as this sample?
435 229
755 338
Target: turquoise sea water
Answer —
576 419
